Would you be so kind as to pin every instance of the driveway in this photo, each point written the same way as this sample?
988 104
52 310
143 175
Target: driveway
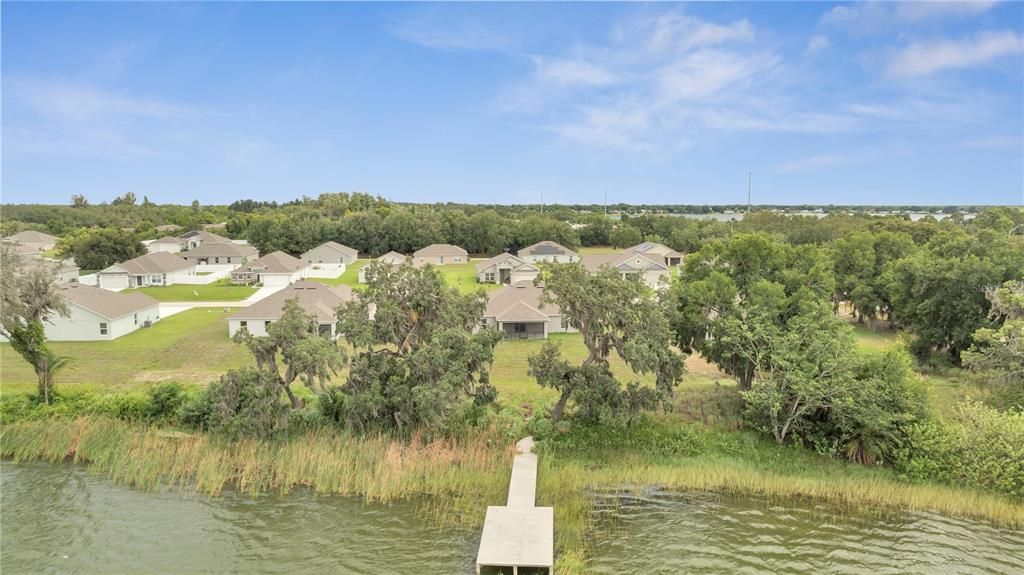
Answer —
169 308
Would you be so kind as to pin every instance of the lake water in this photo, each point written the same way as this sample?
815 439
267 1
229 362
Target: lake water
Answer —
62 519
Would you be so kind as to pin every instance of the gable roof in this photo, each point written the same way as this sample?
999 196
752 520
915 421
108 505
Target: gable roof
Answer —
546 248
434 250
627 260
106 303
206 250
60 266
651 248
316 298
274 263
22 249
33 237
519 302
335 247
168 240
394 258
515 261
205 237
154 263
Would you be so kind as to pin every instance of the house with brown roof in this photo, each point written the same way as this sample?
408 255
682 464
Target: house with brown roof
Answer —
169 244
317 299
96 314
157 269
658 253
64 271
516 311
547 251
220 256
440 254
329 260
392 259
272 270
35 240
196 238
630 265
505 269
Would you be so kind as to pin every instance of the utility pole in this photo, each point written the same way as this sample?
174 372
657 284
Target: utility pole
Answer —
542 202
750 178
606 203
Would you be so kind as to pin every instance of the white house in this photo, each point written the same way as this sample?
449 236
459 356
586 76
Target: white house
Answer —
166 244
275 269
98 314
547 251
658 253
220 256
329 259
156 269
505 269
516 311
440 254
630 264
392 258
316 298
196 238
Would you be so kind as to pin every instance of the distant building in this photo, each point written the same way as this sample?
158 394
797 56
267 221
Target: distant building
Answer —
317 299
196 238
440 254
34 240
157 269
220 255
658 253
331 253
272 270
630 264
547 251
505 269
392 259
167 244
97 315
517 313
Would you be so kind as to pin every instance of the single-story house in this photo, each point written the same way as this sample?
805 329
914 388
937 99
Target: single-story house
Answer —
629 264
196 238
505 269
657 252
21 249
315 298
97 314
517 313
440 254
331 253
167 244
547 251
65 271
157 269
33 239
163 229
217 254
272 270
392 258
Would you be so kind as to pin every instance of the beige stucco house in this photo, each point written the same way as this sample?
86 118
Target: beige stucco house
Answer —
196 238
329 260
275 269
658 253
167 244
96 314
393 259
316 298
440 254
214 256
157 269
506 269
630 264
35 240
547 251
517 313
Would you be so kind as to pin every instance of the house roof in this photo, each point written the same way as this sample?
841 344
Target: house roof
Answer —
627 260
205 237
106 303
519 302
274 263
206 250
168 240
394 258
166 228
33 237
335 247
154 263
316 298
516 262
654 248
434 250
22 249
34 260
546 248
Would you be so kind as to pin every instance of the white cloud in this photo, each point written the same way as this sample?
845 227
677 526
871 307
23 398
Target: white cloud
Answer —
571 72
446 34
817 43
871 17
810 163
674 32
928 57
995 142
705 73
83 102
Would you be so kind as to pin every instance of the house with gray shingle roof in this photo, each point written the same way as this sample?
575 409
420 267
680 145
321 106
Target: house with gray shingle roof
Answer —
440 254
329 260
169 244
196 238
392 259
547 251
219 256
96 314
630 265
35 240
516 311
317 299
505 269
156 269
272 270
657 252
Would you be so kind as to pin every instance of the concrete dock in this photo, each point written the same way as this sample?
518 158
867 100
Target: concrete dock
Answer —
519 535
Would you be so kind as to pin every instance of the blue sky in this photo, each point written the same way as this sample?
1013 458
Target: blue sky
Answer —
874 103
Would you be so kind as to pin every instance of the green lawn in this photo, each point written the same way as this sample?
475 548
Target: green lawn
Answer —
190 347
217 291
461 276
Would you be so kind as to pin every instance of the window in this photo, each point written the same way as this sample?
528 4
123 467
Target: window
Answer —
243 323
489 276
565 323
103 329
136 318
519 327
216 260
266 324
229 259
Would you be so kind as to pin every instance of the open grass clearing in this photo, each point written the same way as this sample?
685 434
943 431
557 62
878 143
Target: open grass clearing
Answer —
218 291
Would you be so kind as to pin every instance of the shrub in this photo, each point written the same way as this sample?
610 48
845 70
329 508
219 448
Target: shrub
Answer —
165 400
243 403
983 447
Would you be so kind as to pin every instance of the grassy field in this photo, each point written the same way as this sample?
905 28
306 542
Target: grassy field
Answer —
217 291
461 276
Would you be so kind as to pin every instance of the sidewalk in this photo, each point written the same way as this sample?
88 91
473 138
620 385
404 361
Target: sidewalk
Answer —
169 308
